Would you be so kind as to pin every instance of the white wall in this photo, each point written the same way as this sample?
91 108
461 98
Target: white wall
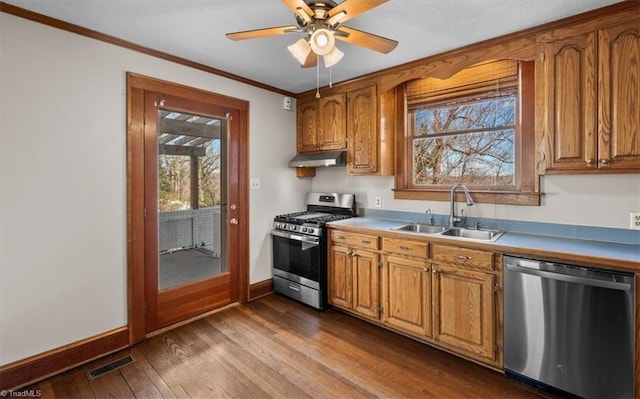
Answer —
586 200
63 181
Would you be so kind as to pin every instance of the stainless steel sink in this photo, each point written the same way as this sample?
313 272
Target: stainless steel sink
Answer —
479 234
456 232
421 228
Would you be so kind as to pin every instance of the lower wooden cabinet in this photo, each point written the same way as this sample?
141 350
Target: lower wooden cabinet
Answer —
464 310
445 295
339 277
353 280
407 295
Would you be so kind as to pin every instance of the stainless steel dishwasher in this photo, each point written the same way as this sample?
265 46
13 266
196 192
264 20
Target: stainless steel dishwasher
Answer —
569 328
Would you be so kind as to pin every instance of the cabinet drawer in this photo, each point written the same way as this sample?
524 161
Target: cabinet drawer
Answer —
463 257
354 240
406 247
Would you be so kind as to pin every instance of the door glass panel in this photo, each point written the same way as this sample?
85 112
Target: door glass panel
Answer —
191 193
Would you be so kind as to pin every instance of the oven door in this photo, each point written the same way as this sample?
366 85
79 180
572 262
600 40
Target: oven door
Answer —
298 257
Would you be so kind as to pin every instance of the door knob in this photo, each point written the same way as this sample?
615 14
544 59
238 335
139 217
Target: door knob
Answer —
233 221
233 207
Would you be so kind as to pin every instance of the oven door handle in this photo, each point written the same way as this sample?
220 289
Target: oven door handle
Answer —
296 237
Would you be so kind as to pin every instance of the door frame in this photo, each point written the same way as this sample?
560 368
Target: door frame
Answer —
137 86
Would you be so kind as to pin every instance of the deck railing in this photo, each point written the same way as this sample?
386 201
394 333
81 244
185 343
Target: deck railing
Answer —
190 228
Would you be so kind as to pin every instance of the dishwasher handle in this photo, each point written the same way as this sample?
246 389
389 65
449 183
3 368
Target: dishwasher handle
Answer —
614 285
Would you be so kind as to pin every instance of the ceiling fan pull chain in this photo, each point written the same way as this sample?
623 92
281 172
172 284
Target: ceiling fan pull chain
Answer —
317 76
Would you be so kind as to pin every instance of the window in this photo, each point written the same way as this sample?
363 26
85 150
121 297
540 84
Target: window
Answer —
474 128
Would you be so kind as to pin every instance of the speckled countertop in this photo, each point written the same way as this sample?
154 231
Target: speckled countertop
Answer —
627 255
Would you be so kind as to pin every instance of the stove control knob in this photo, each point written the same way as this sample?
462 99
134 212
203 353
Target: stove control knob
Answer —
304 229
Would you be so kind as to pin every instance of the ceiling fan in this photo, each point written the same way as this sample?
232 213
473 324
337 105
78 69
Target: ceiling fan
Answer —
321 21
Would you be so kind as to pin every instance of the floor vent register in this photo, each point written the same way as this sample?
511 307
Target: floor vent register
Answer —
107 368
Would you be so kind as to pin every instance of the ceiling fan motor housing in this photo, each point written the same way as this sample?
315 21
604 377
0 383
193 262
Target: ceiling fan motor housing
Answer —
320 12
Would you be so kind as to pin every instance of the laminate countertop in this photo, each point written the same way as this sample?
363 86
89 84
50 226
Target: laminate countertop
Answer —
611 254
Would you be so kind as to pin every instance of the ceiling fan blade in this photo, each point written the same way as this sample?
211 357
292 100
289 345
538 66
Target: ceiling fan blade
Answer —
295 5
257 33
368 40
351 8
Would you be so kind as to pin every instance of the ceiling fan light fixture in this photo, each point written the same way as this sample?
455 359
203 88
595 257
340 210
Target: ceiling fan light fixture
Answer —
322 41
333 57
300 50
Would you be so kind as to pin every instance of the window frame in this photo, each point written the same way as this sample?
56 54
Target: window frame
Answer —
526 190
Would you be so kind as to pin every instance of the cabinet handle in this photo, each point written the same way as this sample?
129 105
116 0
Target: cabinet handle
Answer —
426 269
434 271
590 162
350 253
404 247
340 237
462 257
365 242
604 162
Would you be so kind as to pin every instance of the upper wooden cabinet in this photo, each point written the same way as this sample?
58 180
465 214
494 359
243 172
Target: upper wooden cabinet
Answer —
370 131
362 131
587 85
322 124
360 120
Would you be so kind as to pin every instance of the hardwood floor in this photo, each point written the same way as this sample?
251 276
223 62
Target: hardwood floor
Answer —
277 348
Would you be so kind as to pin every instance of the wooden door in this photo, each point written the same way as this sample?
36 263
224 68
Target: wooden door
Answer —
307 129
362 131
619 131
333 127
464 311
150 306
365 283
567 86
339 277
407 295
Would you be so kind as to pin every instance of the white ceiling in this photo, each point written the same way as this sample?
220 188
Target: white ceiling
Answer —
195 30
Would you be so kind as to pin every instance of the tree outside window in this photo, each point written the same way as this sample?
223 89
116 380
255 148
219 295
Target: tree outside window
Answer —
469 142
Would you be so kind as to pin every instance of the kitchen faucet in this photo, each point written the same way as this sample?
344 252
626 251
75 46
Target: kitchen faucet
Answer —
453 219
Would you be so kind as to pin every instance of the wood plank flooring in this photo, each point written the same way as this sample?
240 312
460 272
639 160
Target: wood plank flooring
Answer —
277 348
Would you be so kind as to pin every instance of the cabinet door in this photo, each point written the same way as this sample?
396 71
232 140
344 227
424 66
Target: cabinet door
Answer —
464 311
333 122
567 102
307 129
362 131
619 132
339 277
365 283
407 295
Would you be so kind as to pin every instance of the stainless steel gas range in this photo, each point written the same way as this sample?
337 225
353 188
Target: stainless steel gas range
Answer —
300 247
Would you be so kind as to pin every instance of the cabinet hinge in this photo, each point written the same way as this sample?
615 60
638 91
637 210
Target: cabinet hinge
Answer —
144 213
542 57
380 311
380 265
495 288
496 348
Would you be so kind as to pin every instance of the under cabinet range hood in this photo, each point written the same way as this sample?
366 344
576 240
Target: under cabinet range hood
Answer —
318 159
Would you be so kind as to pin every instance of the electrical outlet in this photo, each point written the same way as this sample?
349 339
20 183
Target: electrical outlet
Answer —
255 184
635 220
378 202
